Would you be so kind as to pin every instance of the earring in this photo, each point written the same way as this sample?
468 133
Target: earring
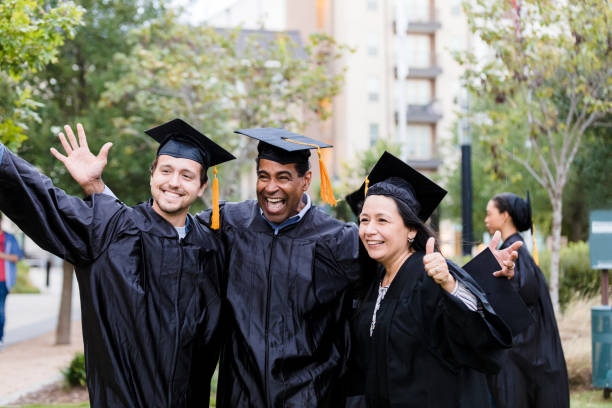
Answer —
411 240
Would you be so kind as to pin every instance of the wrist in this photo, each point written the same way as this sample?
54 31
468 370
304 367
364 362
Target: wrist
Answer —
450 285
93 186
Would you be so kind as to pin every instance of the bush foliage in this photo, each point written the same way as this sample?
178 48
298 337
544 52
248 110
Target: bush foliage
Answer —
75 373
576 275
23 284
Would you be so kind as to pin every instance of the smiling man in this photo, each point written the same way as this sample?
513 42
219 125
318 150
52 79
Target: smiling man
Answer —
288 265
148 275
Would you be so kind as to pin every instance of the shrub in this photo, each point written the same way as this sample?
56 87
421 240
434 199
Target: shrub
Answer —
23 284
575 274
75 373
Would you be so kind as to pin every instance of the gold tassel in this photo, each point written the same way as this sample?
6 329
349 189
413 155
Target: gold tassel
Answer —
214 223
536 258
327 194
367 183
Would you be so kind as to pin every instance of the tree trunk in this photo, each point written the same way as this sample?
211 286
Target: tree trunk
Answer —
555 253
62 334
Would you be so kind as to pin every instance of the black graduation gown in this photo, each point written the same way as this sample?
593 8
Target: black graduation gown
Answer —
149 303
425 345
534 372
288 337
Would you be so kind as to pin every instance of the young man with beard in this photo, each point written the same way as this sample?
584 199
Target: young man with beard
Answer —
148 275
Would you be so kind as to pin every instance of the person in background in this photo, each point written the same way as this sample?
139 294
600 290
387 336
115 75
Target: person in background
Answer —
10 254
534 372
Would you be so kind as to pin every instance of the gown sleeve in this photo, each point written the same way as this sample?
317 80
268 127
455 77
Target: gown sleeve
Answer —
336 264
463 337
74 229
527 279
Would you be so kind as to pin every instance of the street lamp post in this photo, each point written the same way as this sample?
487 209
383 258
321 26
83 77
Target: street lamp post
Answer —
465 140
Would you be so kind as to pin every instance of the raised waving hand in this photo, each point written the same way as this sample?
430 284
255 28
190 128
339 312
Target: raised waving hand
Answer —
84 167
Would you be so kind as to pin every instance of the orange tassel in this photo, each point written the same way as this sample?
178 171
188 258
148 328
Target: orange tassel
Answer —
367 183
536 258
327 194
214 223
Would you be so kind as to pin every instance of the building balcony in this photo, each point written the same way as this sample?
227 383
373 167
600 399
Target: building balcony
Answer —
425 164
422 27
430 72
422 114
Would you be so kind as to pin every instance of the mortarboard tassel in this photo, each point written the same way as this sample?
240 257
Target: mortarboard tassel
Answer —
214 223
367 183
536 258
327 194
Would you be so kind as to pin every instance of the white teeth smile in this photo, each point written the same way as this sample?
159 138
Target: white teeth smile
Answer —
274 200
374 242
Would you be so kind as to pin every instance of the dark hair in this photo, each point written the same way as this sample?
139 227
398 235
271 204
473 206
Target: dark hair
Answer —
517 208
203 170
412 221
300 167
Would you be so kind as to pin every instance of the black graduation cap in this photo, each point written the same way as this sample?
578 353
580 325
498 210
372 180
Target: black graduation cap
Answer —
392 177
285 147
282 146
178 139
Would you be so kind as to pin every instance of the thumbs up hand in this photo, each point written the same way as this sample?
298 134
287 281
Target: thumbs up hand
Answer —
437 268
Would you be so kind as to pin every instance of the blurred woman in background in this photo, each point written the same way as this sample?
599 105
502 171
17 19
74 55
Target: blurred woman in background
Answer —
534 373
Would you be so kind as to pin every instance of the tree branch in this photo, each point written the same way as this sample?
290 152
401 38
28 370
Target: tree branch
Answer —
527 166
553 150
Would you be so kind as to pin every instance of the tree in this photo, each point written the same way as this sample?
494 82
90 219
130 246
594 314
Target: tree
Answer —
492 174
549 79
591 168
70 88
30 36
220 80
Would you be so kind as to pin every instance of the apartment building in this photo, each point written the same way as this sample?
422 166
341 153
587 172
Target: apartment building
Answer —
401 80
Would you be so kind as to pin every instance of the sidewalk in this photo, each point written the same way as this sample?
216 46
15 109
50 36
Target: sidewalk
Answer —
31 364
30 359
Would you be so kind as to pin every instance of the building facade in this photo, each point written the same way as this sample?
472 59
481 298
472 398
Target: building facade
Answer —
402 82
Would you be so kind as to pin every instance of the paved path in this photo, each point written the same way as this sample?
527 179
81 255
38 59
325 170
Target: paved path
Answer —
30 359
28 316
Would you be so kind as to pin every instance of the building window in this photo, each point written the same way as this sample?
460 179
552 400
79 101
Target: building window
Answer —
373 89
456 8
374 133
418 51
419 142
418 92
418 10
372 45
372 5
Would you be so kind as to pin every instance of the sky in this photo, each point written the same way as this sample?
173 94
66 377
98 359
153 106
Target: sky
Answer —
230 13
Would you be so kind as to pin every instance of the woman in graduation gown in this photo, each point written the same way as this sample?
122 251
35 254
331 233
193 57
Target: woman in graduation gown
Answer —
422 324
534 372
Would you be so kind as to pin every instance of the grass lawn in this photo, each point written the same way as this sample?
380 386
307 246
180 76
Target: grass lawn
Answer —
83 405
581 399
589 399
